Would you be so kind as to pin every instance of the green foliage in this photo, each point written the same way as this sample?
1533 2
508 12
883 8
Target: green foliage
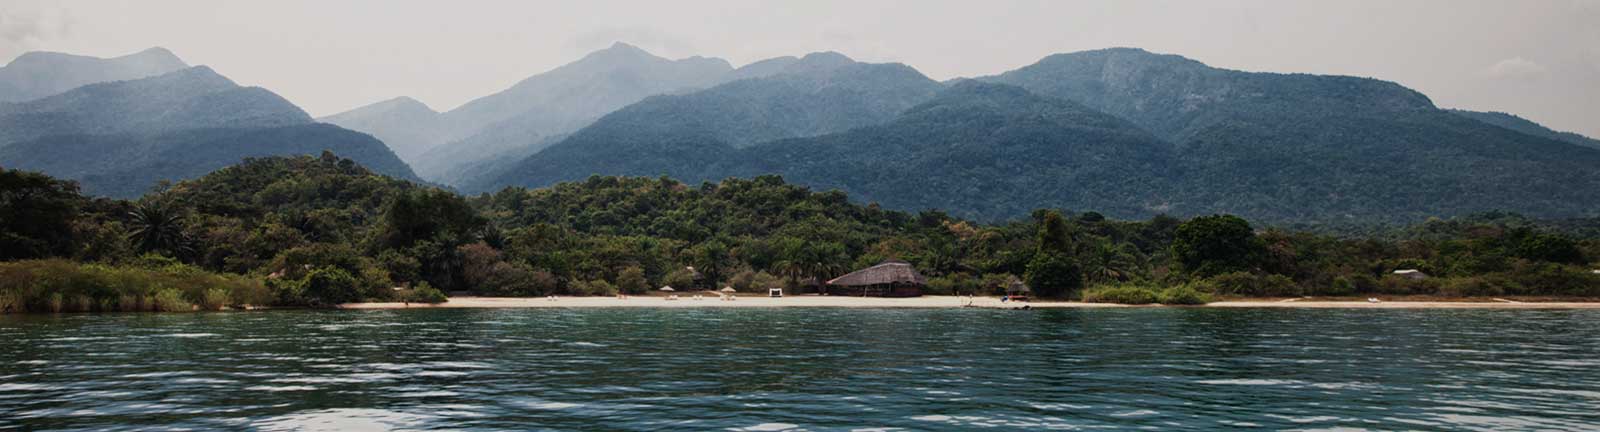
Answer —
1252 285
36 215
1121 294
282 219
1053 234
59 285
329 286
631 281
1212 245
1053 275
1182 295
598 287
424 293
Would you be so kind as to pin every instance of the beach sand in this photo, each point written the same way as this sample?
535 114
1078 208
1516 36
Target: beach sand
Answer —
754 301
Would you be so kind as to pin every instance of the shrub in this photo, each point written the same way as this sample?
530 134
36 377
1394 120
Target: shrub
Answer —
1398 285
1253 285
597 287
152 284
169 300
1182 295
1468 287
214 299
424 293
631 281
1123 294
939 286
329 286
1053 274
1341 286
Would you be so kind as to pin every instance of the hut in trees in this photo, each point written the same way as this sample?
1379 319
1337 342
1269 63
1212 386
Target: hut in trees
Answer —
1412 274
1018 290
699 279
890 279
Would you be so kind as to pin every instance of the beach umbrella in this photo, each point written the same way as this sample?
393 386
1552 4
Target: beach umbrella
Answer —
728 289
668 288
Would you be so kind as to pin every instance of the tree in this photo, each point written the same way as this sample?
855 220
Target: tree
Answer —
1217 244
158 227
631 281
429 215
1110 262
1052 274
36 215
330 286
1552 248
711 259
1054 235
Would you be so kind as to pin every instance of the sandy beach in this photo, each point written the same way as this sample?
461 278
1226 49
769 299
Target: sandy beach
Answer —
753 301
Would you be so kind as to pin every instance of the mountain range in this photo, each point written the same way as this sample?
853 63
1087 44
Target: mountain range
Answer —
535 112
1273 147
1122 131
38 74
119 138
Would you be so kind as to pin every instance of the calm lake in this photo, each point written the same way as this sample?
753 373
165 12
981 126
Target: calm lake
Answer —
803 369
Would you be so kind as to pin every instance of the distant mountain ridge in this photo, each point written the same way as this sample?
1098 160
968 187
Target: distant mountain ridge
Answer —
195 97
1519 124
1176 97
38 74
818 94
1122 131
118 138
407 125
1268 146
522 119
1313 147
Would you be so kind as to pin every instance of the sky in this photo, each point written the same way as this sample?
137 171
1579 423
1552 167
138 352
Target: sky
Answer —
1536 58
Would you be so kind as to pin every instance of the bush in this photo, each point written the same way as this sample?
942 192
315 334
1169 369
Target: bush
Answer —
631 281
1253 285
1052 274
1468 287
1122 294
598 287
152 284
214 299
939 286
1342 286
1398 285
169 300
424 293
329 286
1182 295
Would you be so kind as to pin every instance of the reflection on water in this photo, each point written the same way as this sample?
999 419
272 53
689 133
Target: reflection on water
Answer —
804 369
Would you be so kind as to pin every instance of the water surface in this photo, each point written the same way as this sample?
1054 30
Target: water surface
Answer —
803 369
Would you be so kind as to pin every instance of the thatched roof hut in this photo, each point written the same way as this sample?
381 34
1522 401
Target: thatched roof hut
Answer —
1017 287
890 279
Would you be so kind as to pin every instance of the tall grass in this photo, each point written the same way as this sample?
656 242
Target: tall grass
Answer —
65 286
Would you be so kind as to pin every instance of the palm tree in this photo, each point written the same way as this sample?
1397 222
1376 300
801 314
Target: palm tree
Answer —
1111 262
157 227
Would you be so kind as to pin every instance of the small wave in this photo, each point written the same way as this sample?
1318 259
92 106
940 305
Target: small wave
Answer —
188 335
280 388
768 427
24 387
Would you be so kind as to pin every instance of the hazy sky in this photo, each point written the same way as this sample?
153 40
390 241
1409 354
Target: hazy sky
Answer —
1535 58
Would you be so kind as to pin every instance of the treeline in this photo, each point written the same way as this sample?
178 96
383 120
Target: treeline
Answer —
323 230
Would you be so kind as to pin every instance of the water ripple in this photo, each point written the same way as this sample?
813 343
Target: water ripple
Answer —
804 369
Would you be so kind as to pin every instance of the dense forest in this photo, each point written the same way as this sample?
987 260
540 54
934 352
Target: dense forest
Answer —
318 231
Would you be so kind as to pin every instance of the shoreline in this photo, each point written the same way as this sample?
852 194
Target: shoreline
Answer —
935 302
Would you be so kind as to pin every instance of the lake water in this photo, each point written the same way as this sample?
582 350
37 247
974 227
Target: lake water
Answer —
804 369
